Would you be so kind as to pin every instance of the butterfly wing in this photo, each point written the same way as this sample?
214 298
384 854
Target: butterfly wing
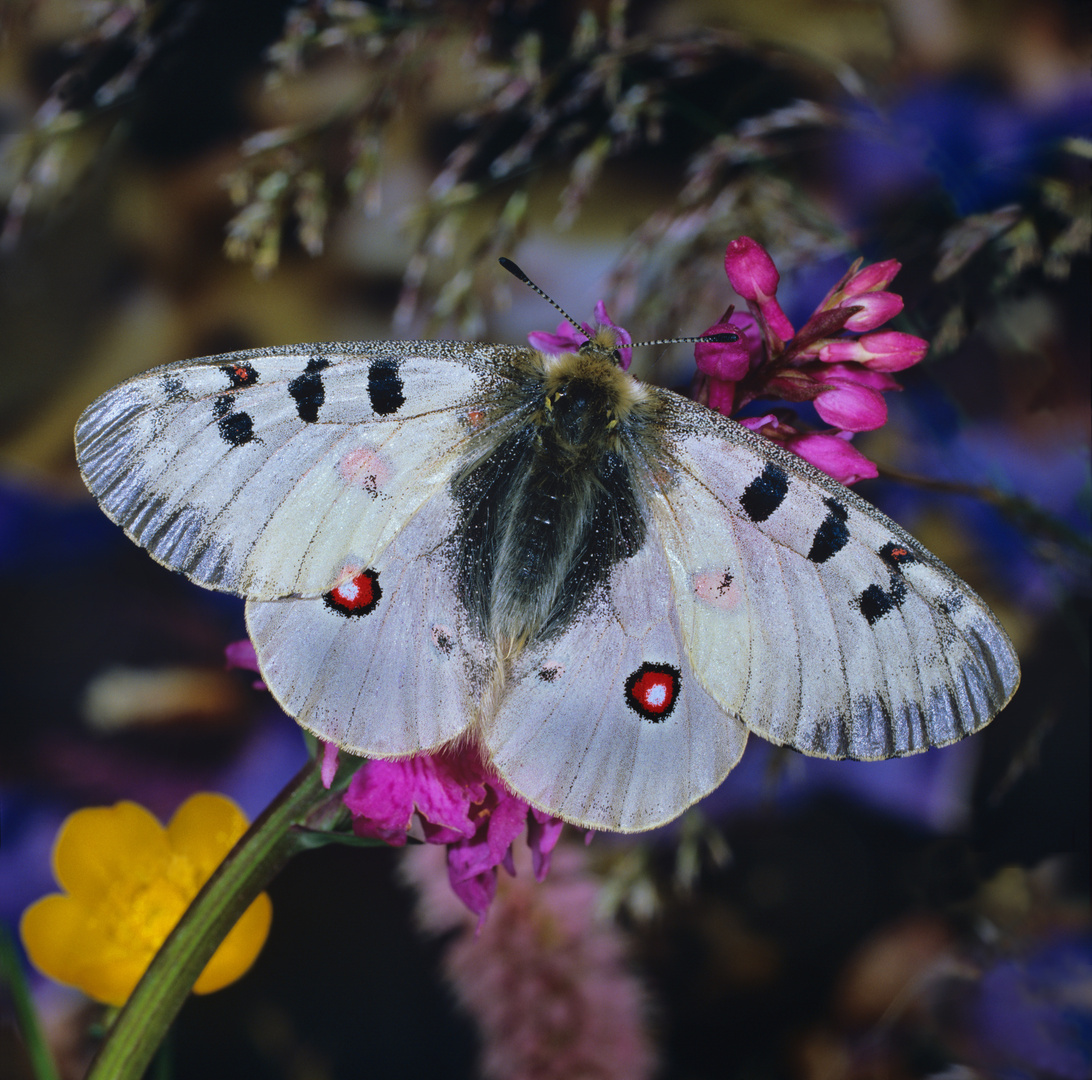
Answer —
385 664
257 472
606 724
808 613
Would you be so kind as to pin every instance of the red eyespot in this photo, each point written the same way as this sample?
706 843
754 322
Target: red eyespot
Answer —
357 596
652 691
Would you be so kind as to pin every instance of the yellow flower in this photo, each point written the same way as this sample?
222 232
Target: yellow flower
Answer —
127 880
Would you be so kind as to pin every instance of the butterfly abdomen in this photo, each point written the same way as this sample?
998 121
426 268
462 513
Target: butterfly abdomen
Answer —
551 507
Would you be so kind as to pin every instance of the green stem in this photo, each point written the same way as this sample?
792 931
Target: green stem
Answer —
246 870
11 969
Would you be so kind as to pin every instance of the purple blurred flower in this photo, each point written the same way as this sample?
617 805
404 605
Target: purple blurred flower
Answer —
568 340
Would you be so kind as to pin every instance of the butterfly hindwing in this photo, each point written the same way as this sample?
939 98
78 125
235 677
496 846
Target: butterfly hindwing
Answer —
384 664
810 614
606 724
257 472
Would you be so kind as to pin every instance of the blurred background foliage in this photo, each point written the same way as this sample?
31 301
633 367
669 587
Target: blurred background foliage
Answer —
191 176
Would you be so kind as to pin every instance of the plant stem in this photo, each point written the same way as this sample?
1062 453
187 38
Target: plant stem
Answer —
246 870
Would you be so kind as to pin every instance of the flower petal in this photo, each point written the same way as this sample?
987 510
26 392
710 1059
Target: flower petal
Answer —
852 407
65 942
99 845
204 829
239 949
750 269
834 455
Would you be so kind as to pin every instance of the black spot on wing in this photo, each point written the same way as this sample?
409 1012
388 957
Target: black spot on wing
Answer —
876 602
385 389
832 534
236 428
765 493
240 374
172 388
307 390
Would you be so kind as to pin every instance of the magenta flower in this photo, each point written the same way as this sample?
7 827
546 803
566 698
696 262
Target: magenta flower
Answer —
449 797
871 310
753 275
830 452
568 340
452 798
889 350
824 362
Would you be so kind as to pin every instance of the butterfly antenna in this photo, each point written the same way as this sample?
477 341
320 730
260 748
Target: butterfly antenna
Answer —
516 272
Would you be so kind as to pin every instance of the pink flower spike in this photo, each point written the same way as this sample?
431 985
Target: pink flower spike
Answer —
887 350
751 270
857 375
852 407
834 455
776 319
329 764
870 278
725 360
876 309
543 833
623 337
565 340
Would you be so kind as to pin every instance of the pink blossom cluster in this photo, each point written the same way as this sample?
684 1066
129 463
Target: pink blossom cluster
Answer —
546 978
838 359
567 339
450 797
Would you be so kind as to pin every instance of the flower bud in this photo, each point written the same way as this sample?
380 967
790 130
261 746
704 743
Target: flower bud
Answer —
870 278
877 308
888 350
751 270
852 407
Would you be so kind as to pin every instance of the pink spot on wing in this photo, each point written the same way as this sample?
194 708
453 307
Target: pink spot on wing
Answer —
717 587
364 468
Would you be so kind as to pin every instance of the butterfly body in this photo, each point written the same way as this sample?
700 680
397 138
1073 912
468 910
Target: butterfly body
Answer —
602 583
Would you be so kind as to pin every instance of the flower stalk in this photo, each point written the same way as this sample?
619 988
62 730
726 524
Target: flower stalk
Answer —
261 852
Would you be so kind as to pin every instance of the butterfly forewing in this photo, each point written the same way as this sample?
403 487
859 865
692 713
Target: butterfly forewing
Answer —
257 472
811 615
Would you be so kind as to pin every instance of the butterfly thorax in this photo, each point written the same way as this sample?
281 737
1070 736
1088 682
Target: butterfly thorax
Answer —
550 505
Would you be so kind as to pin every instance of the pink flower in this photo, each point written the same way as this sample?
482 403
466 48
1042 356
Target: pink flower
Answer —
567 339
852 407
824 362
753 275
451 798
834 455
876 309
877 276
888 350
545 979
830 452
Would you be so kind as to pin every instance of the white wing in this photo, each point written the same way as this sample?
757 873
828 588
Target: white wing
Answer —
257 472
808 613
385 665
568 732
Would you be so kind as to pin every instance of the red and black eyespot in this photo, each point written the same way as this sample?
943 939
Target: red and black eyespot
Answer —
896 555
357 596
653 690
240 373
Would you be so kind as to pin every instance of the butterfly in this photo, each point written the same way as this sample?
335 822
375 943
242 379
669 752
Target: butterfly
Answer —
605 585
